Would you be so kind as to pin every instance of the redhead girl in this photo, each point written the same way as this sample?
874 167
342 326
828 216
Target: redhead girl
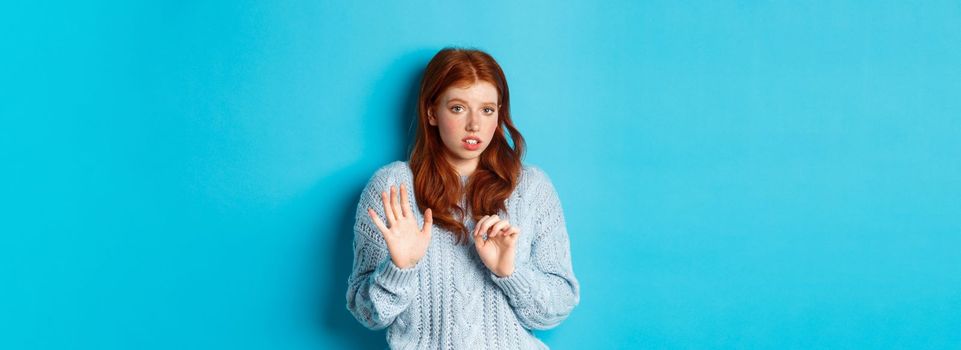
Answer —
462 246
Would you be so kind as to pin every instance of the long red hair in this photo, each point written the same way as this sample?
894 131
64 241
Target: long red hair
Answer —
437 184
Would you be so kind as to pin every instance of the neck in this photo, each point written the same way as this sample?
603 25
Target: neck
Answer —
464 167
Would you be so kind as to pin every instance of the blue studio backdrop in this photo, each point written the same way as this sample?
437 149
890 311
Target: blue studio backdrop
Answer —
762 175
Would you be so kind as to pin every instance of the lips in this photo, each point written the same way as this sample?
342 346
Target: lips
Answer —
476 139
471 146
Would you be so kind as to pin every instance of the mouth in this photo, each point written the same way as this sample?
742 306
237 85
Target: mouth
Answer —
471 140
471 143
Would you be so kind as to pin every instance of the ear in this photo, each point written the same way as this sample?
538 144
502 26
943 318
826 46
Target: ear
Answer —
430 118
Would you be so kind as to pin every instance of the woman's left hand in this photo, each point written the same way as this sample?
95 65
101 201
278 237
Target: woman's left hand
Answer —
497 252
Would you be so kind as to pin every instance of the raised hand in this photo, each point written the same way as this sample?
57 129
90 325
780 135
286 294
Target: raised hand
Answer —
406 243
497 252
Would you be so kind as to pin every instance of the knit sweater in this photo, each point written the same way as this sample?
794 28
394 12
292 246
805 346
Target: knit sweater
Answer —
450 299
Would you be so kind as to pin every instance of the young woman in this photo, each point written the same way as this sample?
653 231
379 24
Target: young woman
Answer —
462 247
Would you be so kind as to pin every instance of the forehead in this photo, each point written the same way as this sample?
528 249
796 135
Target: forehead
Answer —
480 92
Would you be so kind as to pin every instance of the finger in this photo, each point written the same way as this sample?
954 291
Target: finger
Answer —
478 243
493 219
380 224
512 233
395 205
477 225
480 224
387 212
479 240
497 229
405 202
428 221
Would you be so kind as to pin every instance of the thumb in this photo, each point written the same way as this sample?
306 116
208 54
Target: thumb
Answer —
428 221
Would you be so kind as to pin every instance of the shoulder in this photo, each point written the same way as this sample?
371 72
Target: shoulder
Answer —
393 172
533 172
534 180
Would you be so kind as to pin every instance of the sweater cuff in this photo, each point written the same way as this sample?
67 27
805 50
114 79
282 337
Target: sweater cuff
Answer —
393 278
517 284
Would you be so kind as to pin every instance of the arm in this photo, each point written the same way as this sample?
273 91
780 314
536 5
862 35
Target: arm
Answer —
377 290
544 291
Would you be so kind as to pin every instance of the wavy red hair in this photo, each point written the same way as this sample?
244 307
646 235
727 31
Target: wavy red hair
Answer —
437 184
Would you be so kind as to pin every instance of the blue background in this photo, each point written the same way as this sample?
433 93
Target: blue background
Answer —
734 175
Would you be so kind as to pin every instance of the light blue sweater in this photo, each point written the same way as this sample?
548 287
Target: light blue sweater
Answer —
450 300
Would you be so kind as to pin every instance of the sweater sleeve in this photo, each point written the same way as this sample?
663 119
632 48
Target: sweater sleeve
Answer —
544 291
377 289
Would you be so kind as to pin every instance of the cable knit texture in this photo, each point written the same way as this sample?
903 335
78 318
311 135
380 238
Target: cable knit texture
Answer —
449 299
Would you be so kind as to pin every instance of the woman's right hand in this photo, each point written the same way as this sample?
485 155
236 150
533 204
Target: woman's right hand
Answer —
406 244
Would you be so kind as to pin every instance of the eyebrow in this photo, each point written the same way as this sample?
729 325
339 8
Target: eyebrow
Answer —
462 101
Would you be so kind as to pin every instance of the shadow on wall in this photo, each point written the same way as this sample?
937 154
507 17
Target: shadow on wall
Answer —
392 107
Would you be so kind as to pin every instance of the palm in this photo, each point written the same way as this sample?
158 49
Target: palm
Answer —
406 243
493 250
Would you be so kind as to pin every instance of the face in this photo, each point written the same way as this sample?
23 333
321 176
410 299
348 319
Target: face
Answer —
462 114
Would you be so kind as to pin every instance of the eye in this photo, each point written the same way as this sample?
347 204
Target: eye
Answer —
457 108
488 110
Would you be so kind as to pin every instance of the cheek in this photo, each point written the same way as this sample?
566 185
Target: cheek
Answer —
448 131
491 126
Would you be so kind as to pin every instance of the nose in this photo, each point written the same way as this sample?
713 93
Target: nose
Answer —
472 124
